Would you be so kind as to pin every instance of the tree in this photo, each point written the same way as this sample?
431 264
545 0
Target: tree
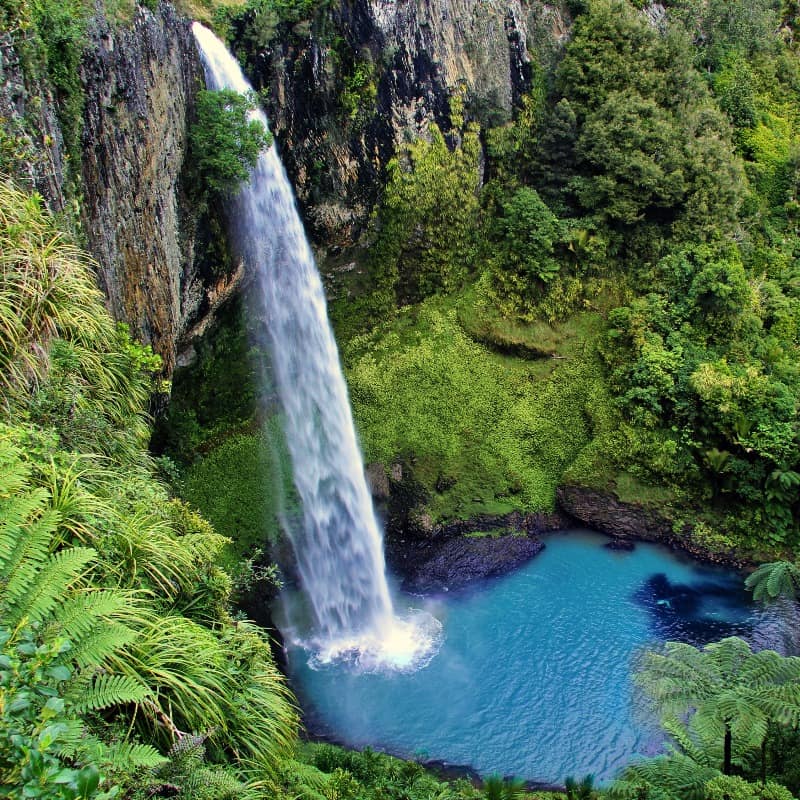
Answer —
529 233
725 691
633 150
224 140
775 580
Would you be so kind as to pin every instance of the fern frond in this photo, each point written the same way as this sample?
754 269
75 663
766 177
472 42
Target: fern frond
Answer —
72 738
774 580
81 613
105 691
26 528
101 643
123 755
34 589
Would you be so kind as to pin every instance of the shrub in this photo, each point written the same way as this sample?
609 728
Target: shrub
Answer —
225 141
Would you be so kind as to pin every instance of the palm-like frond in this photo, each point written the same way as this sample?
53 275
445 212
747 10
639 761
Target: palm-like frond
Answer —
675 777
774 580
724 691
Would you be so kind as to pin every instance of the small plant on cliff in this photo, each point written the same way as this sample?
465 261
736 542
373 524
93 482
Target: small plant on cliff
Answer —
225 141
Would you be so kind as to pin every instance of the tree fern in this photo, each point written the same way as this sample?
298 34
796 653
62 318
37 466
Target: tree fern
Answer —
774 580
674 777
726 692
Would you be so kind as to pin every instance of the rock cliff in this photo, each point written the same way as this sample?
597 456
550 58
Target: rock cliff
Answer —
31 141
345 93
140 82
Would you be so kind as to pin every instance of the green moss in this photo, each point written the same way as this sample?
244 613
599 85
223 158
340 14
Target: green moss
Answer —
483 432
240 488
630 489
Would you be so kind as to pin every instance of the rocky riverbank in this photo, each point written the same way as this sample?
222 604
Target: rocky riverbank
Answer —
604 512
452 556
433 558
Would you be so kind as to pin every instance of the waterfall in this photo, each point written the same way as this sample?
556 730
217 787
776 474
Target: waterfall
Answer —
339 547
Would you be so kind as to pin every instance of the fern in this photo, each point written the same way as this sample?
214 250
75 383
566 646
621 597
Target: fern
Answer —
771 581
78 615
106 639
725 692
123 755
36 588
105 691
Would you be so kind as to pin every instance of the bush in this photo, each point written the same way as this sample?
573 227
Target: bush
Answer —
224 141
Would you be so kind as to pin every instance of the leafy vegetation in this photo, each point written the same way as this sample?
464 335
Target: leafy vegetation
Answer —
649 179
224 141
88 534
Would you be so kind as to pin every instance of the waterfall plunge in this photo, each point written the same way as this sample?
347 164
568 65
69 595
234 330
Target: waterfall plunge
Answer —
339 549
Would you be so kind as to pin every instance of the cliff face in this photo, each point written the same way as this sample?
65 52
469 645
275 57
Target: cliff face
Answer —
343 94
140 83
380 72
30 132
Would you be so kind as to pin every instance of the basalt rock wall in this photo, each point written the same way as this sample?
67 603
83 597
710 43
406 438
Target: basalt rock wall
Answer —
140 82
345 92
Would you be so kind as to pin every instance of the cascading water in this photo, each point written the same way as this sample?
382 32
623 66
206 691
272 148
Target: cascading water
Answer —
339 548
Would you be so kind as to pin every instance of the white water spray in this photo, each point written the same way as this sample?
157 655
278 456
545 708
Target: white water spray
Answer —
339 550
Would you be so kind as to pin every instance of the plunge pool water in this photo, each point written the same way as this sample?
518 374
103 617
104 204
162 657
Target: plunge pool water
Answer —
533 674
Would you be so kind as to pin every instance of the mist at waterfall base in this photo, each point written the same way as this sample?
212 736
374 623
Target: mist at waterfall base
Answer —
337 543
533 677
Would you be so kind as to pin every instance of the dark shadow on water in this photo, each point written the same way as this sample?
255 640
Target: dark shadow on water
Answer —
695 613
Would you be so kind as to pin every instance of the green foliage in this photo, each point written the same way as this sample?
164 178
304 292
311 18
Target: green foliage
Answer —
491 432
367 775
727 694
50 309
92 548
360 91
495 787
642 133
424 232
37 724
721 27
50 37
693 357
774 580
216 393
224 140
527 233
195 779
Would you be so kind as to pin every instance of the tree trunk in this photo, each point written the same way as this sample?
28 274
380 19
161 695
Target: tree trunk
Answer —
726 766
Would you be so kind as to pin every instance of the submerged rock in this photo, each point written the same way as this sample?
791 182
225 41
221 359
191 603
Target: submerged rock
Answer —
625 545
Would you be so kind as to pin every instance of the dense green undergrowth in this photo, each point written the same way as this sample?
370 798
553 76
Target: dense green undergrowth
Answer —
643 202
123 671
483 432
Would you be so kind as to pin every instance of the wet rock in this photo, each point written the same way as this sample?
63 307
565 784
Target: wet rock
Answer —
378 481
604 512
460 561
624 545
27 111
